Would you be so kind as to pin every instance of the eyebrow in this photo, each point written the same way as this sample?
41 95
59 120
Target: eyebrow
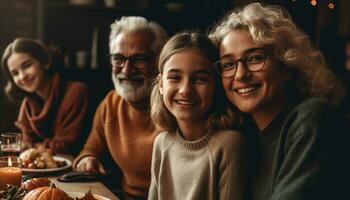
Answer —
247 51
201 71
26 62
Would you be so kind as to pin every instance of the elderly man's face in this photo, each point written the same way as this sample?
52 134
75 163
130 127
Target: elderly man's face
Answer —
133 65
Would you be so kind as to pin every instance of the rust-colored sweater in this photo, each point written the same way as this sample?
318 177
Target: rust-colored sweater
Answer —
58 122
127 134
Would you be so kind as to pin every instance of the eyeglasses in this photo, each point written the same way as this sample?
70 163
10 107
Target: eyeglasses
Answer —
253 62
137 61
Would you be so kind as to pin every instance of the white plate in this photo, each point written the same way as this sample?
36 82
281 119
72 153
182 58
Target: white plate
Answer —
80 195
57 158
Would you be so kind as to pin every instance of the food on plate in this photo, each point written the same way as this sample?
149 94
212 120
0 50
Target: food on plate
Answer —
47 192
39 158
33 183
29 154
48 160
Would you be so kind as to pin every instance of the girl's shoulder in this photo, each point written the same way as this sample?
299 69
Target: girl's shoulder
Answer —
165 138
228 138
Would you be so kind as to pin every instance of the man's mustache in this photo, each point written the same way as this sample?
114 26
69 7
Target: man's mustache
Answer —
132 77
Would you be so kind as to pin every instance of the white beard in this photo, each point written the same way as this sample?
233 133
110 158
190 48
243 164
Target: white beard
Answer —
132 92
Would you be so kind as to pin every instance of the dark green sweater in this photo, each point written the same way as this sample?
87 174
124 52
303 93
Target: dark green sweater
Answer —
303 154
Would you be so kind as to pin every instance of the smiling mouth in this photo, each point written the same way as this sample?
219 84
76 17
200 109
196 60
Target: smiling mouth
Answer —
246 89
185 102
28 82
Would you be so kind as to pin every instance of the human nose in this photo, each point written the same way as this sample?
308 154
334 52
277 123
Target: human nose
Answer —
241 71
22 75
185 88
127 68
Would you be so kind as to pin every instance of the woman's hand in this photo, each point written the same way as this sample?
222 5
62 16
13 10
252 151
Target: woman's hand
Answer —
91 165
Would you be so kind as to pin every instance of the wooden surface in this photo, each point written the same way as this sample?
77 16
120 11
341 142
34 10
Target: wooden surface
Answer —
95 187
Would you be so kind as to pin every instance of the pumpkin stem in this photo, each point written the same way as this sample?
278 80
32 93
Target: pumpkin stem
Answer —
52 185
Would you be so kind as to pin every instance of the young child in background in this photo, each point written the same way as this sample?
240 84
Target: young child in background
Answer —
195 156
54 112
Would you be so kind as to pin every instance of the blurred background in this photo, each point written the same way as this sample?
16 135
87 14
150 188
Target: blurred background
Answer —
77 31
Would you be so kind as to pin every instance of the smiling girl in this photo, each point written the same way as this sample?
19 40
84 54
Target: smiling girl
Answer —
53 112
195 156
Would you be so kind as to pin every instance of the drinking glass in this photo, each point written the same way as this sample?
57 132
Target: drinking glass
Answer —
10 171
11 144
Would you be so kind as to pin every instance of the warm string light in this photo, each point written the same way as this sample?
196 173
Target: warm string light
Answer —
331 4
313 2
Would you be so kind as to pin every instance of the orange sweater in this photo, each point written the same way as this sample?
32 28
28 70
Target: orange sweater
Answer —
59 122
127 134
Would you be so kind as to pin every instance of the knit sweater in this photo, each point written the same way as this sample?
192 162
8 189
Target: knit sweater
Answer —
304 154
127 135
59 122
209 168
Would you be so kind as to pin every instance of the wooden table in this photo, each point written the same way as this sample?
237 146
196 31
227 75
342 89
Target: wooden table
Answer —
95 187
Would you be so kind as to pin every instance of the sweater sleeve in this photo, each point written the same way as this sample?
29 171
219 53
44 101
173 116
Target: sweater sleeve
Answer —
156 157
313 157
232 166
71 119
96 143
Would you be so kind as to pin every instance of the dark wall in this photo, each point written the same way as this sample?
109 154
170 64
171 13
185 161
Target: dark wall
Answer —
68 27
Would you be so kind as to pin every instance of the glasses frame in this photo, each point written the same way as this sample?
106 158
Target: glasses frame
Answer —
243 60
132 60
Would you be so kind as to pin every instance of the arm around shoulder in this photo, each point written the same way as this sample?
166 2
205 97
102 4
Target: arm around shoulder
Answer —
232 167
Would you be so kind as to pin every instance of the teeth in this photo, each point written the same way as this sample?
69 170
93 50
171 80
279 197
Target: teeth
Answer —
246 90
184 102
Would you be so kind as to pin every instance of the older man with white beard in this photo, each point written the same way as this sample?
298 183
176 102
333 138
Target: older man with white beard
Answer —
122 128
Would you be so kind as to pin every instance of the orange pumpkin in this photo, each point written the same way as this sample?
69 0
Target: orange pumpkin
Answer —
35 183
47 193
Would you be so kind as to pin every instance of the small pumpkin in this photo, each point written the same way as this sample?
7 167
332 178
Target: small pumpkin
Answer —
47 192
35 183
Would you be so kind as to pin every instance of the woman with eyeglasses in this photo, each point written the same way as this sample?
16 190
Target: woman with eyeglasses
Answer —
54 113
274 76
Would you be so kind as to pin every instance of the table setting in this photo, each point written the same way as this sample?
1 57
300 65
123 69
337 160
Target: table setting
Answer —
37 173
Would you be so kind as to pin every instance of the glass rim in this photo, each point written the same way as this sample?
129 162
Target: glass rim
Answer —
10 133
218 67
15 160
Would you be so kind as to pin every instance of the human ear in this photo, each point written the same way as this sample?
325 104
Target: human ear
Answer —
160 83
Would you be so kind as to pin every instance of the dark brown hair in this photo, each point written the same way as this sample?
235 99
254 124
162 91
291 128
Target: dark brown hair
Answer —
34 48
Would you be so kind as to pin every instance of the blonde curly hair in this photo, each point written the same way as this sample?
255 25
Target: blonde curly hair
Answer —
272 27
